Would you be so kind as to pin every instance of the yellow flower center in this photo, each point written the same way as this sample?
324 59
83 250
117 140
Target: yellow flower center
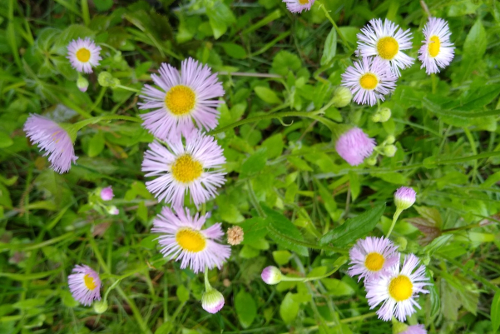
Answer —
303 2
190 240
185 169
368 81
387 47
400 288
89 282
83 55
180 100
374 261
434 46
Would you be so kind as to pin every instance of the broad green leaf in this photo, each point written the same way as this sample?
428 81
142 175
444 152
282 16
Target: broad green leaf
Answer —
254 163
182 293
274 146
282 257
354 228
96 144
220 17
246 309
234 50
285 62
330 48
289 308
495 312
103 5
475 42
5 140
267 95
254 229
337 287
284 232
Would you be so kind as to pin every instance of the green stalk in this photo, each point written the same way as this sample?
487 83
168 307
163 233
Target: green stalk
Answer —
307 279
394 220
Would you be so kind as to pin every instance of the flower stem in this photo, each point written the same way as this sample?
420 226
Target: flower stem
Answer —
208 287
394 220
339 32
79 125
129 88
340 263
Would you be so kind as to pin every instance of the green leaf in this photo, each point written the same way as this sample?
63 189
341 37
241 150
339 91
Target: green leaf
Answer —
182 293
254 163
495 312
337 287
283 232
330 47
274 146
103 5
475 42
254 229
5 140
267 95
354 228
281 257
285 62
245 308
96 144
220 17
289 308
234 50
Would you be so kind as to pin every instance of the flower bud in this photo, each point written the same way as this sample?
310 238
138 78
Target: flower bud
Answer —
106 79
385 114
113 210
404 198
371 161
82 84
107 194
342 96
271 275
375 118
390 139
100 306
390 150
212 301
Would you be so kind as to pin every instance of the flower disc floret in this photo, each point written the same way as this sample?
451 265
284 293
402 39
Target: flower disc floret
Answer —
182 239
183 100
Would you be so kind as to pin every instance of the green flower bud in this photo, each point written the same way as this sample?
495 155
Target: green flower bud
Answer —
375 118
371 161
390 139
106 79
342 96
390 150
385 114
100 307
82 84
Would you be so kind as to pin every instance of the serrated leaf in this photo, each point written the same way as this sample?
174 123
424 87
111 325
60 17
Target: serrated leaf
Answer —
246 309
283 232
354 228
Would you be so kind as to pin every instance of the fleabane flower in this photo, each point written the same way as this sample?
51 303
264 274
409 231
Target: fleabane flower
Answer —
354 146
404 198
193 167
182 238
397 289
53 139
297 6
84 284
184 100
386 41
437 50
371 257
369 80
415 329
107 193
83 54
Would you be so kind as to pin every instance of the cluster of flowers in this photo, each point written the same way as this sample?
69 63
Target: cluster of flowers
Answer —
378 262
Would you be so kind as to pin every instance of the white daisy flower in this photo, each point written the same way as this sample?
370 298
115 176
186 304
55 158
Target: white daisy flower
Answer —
85 284
297 6
83 54
193 166
386 41
437 50
371 257
369 80
397 289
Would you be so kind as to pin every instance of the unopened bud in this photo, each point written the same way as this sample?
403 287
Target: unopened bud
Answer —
371 161
385 114
106 79
390 150
404 198
100 307
82 84
113 210
390 139
212 301
271 275
375 118
342 96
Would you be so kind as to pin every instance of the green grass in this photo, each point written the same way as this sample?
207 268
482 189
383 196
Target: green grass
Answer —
286 185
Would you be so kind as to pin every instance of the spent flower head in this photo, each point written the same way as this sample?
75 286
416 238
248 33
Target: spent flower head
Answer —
354 146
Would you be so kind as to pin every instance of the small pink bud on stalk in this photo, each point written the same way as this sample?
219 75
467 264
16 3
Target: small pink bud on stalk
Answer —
404 198
107 194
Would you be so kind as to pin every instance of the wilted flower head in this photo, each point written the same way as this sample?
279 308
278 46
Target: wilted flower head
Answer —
107 193
404 197
386 41
271 275
193 167
397 289
354 146
369 80
212 301
297 6
182 238
84 284
235 235
372 256
437 50
83 54
53 139
184 100
342 96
